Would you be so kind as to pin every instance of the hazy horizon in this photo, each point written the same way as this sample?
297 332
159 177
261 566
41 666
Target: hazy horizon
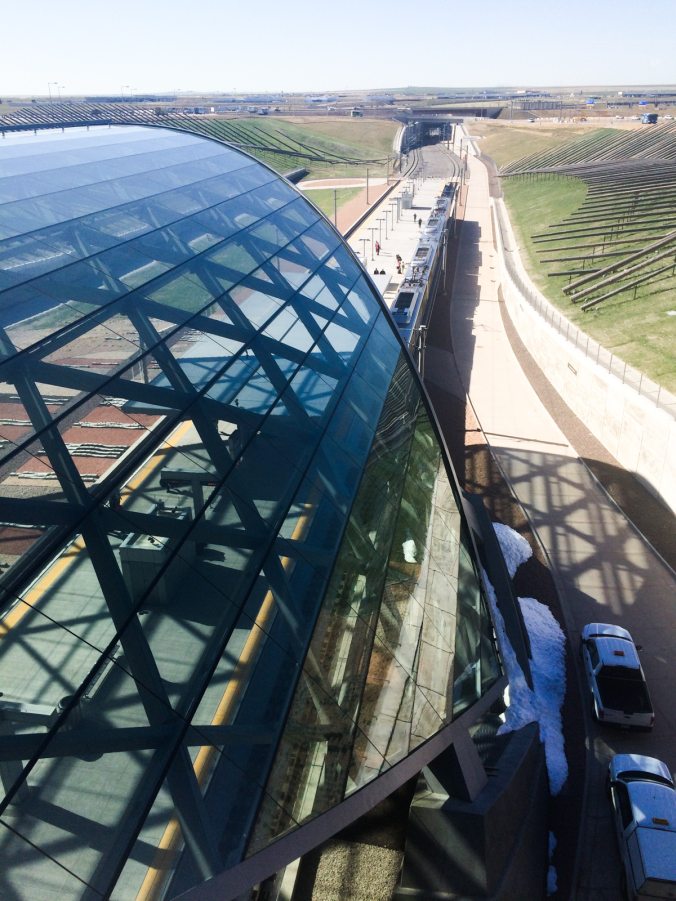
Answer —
76 47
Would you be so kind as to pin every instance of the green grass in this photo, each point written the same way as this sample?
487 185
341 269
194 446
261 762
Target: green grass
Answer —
639 331
324 198
505 142
359 139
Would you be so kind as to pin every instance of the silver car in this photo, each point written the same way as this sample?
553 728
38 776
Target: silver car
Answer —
619 692
644 811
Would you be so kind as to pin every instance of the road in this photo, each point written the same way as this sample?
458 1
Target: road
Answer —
603 567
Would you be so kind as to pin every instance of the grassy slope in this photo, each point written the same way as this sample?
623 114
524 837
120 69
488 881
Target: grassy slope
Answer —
505 143
361 139
324 199
639 330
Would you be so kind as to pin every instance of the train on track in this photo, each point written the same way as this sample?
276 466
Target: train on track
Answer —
410 309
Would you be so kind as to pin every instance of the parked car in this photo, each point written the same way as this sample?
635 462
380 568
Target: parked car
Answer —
615 676
643 797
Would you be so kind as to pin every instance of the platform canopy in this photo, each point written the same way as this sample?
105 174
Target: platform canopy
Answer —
237 584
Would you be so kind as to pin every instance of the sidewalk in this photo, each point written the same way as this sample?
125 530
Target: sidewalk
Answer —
603 568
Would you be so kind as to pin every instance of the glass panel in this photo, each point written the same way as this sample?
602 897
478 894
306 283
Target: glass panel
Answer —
19 880
476 660
231 263
181 290
261 613
286 329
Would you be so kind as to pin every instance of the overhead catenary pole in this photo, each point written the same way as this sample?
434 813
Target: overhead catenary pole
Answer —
372 229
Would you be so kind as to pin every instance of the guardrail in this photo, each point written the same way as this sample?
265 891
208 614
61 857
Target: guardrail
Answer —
604 358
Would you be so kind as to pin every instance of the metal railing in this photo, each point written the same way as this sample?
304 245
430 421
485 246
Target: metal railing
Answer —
603 358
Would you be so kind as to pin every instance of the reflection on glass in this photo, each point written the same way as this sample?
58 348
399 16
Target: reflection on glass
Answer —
238 583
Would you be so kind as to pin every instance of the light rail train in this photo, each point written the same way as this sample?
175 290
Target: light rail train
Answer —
411 305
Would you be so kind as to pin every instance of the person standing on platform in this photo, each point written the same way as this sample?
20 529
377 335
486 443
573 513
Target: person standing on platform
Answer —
377 248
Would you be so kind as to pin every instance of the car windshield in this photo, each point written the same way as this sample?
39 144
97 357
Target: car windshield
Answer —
621 672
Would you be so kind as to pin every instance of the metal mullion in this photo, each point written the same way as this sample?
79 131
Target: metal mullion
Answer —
65 335
129 241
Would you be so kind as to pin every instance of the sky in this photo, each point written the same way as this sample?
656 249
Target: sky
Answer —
146 46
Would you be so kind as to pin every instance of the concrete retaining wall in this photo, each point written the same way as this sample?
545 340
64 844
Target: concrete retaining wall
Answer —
494 847
640 435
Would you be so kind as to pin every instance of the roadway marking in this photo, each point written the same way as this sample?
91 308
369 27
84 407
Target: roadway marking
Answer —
56 571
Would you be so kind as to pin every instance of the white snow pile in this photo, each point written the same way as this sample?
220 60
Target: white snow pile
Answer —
515 549
543 703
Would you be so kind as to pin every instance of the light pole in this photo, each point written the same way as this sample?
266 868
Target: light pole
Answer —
49 88
372 229
387 213
367 186
394 202
363 249
380 229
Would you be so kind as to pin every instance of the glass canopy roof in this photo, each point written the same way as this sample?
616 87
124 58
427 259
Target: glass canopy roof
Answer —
237 585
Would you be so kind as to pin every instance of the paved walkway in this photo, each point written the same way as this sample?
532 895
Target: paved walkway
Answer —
603 568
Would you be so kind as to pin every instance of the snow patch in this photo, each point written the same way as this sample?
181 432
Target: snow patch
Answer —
515 548
543 703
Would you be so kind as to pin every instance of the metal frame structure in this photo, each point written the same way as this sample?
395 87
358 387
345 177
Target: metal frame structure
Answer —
283 455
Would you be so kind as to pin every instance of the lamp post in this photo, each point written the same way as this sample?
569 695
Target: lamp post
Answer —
372 229
380 229
363 248
367 186
49 88
394 202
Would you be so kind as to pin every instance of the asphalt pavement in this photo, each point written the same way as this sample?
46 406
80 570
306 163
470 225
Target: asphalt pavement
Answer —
603 567
513 439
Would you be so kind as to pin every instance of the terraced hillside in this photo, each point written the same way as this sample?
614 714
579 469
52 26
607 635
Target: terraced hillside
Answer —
597 220
325 148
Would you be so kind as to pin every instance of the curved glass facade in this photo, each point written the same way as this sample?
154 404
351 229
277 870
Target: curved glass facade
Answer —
237 583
